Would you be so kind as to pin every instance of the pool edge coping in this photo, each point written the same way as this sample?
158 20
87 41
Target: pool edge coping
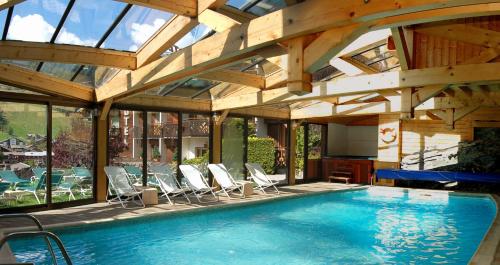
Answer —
485 253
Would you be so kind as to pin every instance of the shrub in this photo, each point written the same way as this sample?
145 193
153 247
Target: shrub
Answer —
261 150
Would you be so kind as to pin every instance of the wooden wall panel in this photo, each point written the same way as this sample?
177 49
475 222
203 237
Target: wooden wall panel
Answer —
426 134
433 51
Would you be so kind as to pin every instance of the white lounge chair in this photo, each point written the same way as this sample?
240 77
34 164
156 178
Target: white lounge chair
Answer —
258 175
121 185
225 180
196 181
168 182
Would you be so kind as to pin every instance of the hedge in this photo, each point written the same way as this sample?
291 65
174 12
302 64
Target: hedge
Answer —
261 150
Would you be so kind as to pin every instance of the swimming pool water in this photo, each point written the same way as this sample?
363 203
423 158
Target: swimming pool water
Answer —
375 226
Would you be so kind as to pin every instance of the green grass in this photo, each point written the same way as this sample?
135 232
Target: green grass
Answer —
30 200
24 123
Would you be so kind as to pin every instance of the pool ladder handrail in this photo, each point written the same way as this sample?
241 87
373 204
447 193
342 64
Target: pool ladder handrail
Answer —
40 233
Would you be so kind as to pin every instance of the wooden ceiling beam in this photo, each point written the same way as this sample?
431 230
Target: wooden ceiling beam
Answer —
403 46
164 38
450 109
236 77
42 83
236 14
8 3
36 51
217 21
314 16
181 7
459 74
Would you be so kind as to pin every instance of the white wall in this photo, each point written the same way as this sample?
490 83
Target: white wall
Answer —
189 144
352 140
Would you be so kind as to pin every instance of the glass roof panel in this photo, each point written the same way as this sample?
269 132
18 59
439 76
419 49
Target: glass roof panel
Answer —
94 76
31 65
193 36
35 20
88 21
60 70
190 88
136 27
266 6
373 55
3 15
240 4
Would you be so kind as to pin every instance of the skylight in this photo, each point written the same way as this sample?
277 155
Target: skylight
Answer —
193 36
34 20
88 20
60 70
3 15
257 7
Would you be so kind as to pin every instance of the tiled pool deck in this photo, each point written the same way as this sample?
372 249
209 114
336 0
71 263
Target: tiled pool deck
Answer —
488 253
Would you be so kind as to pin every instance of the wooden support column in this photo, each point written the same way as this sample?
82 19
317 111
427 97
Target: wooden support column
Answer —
102 139
293 152
299 82
216 140
406 106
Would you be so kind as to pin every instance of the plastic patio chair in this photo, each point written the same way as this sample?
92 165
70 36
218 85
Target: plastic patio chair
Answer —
168 183
196 182
119 182
225 180
258 175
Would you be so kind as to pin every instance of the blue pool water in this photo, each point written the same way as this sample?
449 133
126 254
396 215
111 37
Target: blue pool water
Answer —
374 226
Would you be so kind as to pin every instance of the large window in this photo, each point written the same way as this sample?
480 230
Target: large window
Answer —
196 140
233 146
125 146
23 154
72 153
162 141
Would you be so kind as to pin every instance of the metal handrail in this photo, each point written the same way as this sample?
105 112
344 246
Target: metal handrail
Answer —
37 223
44 234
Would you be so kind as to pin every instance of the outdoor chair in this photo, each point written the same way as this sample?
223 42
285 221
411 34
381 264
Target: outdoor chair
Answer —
258 175
83 178
11 177
124 190
196 182
225 180
168 183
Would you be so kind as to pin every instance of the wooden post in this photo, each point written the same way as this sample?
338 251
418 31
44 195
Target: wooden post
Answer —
299 82
293 153
102 138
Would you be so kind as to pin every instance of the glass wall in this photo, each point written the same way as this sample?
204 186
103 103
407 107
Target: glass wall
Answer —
72 153
299 154
268 146
233 146
125 142
23 154
196 140
162 142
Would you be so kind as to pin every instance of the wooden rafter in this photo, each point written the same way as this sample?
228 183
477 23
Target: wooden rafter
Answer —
450 109
181 7
217 21
235 77
36 51
241 41
164 38
236 14
370 83
8 3
42 83
403 48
